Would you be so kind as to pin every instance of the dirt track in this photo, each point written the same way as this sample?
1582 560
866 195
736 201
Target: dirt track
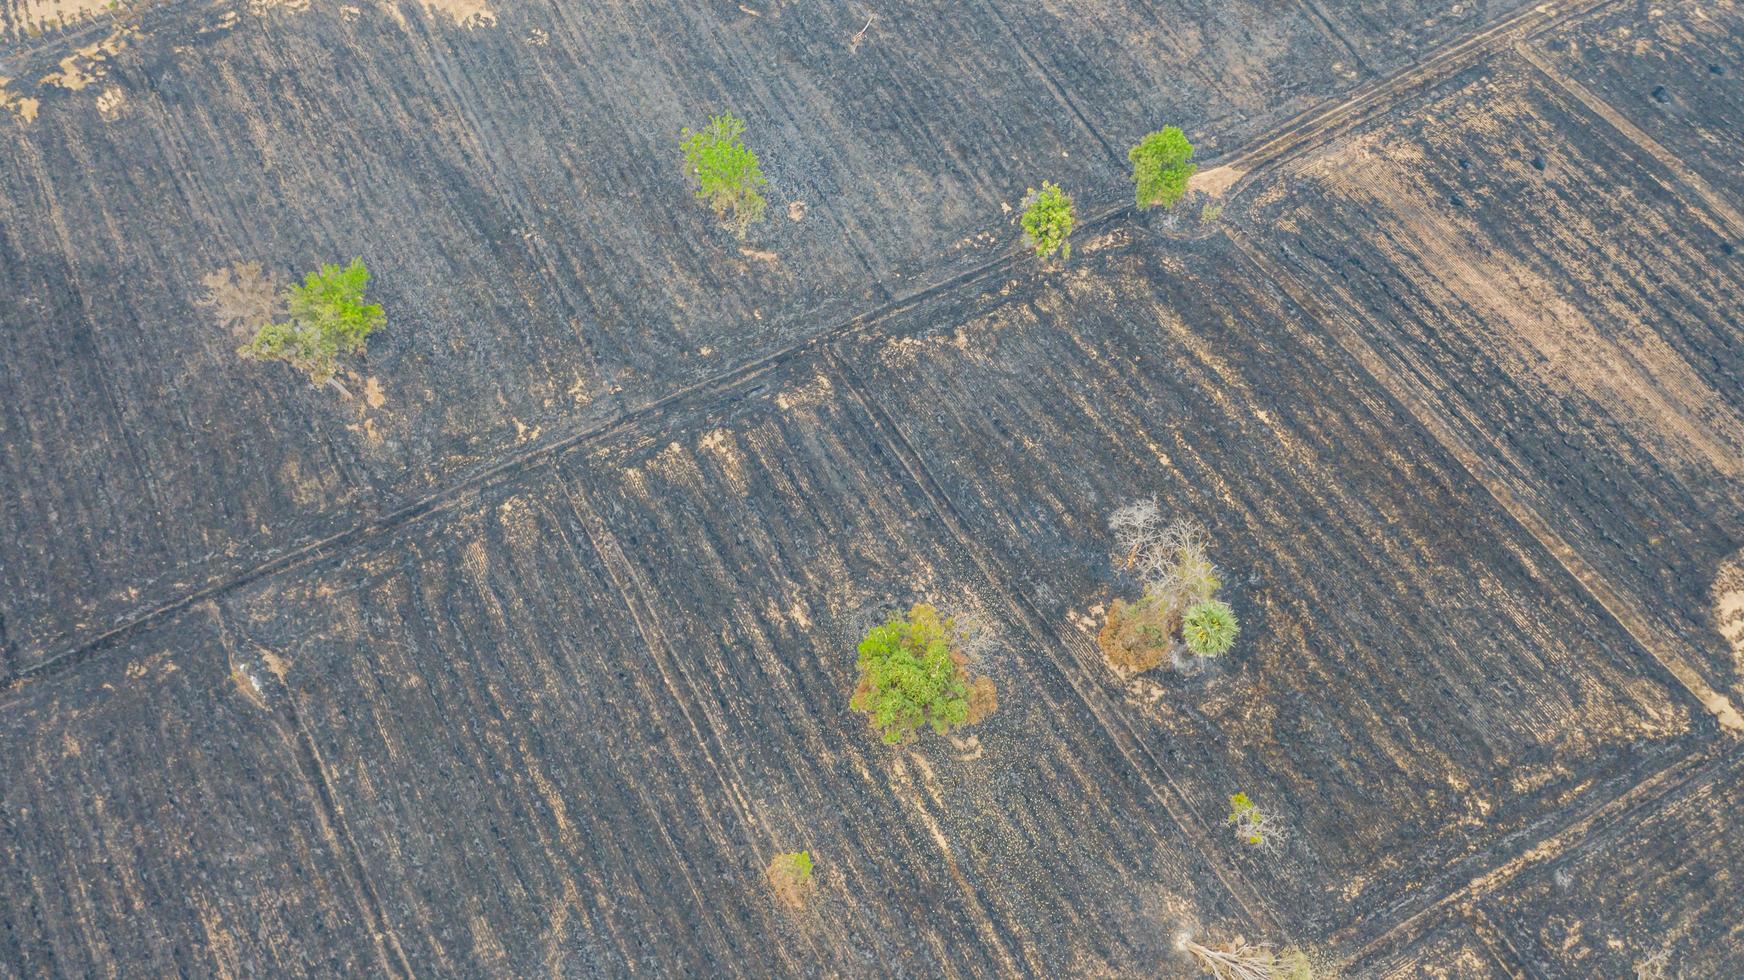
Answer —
526 658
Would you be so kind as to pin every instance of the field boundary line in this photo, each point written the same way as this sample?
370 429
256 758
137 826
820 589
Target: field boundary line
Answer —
1059 93
312 769
1314 10
1596 104
1597 828
1619 605
1173 800
1311 128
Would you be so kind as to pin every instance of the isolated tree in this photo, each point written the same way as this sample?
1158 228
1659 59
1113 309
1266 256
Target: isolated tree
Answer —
1236 960
790 877
328 318
725 171
1160 167
1047 221
913 672
1177 608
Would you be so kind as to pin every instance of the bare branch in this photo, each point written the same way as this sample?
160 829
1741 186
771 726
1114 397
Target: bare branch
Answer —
854 42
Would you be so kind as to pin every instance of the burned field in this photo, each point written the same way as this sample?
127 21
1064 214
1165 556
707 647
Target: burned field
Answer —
528 645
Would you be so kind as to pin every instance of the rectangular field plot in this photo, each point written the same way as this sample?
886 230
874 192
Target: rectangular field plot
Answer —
1675 70
1415 677
1662 884
556 761
516 188
155 820
767 535
1569 316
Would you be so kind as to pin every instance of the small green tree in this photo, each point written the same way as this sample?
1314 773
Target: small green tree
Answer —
1160 168
1209 627
1047 221
912 673
726 172
328 317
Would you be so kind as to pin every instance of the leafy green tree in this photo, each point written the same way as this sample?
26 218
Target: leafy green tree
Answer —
328 317
1160 168
726 172
1047 221
911 674
1209 627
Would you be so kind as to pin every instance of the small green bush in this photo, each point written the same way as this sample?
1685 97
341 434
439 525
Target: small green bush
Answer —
1160 168
1047 221
1209 627
328 317
798 865
1246 818
790 877
909 676
726 172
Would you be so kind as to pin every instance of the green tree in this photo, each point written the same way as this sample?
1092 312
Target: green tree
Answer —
1209 627
1047 221
912 675
726 172
1160 168
328 317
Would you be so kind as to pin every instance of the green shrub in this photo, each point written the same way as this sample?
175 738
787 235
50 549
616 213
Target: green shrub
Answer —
328 317
911 675
1264 831
1246 818
1160 168
726 172
1209 627
790 877
796 866
1047 221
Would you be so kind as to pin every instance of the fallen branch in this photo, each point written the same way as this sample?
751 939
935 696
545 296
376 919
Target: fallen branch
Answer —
854 42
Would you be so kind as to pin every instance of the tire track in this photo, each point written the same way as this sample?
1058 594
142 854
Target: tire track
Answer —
1318 125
